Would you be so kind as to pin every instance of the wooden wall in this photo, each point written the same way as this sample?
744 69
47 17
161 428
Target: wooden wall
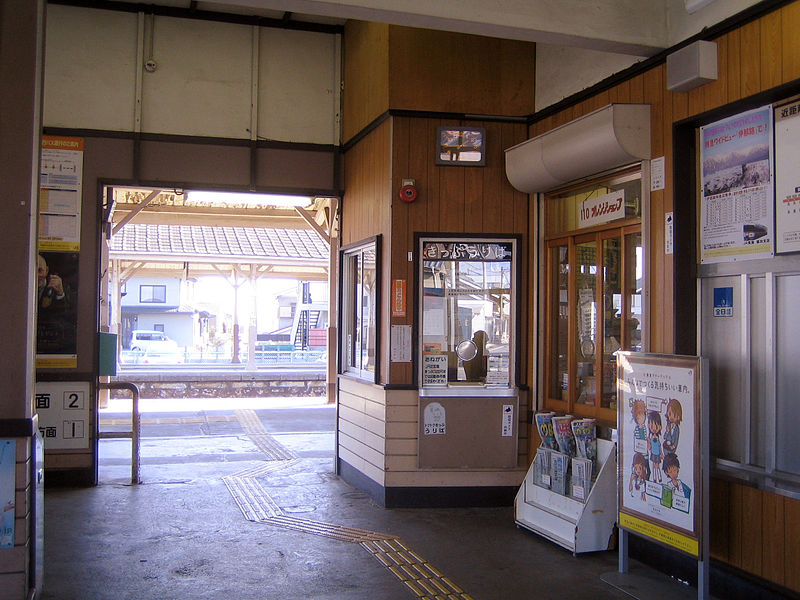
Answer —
365 205
753 530
475 200
462 73
366 75
362 428
756 531
402 68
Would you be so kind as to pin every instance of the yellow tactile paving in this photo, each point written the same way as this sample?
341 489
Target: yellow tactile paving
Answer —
422 578
254 428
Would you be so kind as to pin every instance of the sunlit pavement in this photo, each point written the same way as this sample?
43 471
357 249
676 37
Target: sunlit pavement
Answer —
207 434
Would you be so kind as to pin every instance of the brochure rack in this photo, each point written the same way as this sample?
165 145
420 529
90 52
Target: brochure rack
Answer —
575 525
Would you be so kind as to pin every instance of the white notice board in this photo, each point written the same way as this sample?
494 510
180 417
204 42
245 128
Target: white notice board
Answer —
64 414
787 177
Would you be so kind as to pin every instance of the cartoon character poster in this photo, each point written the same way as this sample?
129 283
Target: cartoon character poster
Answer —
657 440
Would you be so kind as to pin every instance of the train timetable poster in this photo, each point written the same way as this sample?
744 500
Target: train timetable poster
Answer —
658 419
737 203
787 177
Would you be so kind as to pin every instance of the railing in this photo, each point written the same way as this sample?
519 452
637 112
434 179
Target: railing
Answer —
136 426
263 358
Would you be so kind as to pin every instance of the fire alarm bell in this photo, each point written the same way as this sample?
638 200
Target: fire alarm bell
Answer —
408 193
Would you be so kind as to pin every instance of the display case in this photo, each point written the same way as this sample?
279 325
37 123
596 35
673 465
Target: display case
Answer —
469 406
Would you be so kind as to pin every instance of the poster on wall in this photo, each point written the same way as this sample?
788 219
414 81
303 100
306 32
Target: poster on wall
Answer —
56 309
8 459
737 197
659 417
787 177
60 189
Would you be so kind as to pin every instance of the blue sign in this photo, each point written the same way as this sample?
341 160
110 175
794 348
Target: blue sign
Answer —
723 302
8 459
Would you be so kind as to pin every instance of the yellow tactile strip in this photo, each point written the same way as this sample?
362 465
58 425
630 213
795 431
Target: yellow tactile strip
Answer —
254 502
417 574
254 428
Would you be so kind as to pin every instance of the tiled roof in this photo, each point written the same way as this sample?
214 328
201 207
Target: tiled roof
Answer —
201 240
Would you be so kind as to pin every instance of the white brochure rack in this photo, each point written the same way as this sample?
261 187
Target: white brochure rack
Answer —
575 525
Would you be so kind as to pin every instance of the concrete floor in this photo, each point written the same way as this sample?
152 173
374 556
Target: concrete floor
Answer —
182 534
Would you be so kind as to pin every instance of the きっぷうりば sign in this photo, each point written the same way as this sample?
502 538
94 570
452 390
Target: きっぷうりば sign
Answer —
602 209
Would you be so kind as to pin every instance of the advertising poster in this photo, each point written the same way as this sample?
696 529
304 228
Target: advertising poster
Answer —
659 474
60 189
56 309
787 177
737 198
8 459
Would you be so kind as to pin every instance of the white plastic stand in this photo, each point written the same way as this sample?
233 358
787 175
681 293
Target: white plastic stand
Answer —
575 525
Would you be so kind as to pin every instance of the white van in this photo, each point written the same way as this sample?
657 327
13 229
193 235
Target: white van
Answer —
154 345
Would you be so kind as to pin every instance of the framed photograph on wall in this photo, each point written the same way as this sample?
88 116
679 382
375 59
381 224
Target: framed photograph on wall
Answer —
464 146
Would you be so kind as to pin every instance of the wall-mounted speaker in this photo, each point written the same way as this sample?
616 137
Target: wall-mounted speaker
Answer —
692 66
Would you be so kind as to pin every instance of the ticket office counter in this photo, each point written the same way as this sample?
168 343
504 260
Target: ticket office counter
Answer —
468 405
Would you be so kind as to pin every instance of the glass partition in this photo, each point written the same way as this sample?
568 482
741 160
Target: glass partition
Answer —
467 308
593 295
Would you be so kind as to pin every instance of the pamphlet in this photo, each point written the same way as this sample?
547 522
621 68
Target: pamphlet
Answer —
585 433
544 422
563 433
559 469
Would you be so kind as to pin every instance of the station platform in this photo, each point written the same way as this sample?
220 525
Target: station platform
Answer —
239 500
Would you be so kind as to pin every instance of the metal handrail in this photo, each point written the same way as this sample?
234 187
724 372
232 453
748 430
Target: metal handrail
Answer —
136 425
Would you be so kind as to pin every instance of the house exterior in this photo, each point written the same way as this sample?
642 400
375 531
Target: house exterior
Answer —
155 303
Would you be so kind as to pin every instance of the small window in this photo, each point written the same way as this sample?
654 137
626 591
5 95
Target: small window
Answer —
149 294
360 305
158 327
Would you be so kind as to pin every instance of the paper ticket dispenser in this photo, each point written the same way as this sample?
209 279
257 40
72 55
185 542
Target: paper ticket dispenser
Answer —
468 403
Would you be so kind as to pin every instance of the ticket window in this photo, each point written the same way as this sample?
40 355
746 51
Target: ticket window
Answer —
467 314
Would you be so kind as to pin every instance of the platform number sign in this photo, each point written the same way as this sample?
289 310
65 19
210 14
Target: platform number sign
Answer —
63 409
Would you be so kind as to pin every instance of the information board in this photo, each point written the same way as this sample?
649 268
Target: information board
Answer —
787 177
661 484
64 414
737 205
60 189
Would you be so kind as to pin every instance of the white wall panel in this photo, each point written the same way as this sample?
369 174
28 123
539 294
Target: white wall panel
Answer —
202 83
297 86
90 69
562 71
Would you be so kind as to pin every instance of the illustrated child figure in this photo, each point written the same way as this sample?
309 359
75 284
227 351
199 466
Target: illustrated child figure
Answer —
654 425
638 474
673 431
671 468
639 414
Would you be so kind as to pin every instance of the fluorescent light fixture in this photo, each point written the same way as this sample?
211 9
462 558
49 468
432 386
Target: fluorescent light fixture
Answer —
242 198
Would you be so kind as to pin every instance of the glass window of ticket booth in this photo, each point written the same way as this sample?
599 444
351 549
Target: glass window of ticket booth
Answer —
594 277
467 290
